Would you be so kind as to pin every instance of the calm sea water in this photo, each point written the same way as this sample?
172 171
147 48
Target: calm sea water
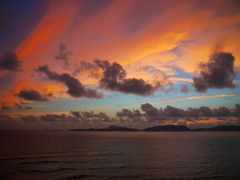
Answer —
119 155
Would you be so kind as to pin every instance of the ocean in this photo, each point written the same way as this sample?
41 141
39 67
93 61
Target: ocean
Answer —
119 155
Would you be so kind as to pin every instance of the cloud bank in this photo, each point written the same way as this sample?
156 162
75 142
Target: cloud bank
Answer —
32 95
147 114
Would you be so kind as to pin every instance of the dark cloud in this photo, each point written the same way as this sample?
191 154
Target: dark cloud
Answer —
154 115
57 118
75 87
9 61
222 112
76 114
114 78
137 86
192 113
126 115
206 111
218 72
151 113
87 66
32 95
149 109
63 54
86 116
171 111
236 110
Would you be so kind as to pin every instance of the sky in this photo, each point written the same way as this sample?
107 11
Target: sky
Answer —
137 63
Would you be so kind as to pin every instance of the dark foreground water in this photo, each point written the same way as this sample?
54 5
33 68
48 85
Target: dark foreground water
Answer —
119 155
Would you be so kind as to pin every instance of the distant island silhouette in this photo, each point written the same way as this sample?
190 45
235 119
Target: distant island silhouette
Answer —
109 128
168 128
163 128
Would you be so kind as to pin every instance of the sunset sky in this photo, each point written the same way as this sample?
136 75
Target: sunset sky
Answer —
79 63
